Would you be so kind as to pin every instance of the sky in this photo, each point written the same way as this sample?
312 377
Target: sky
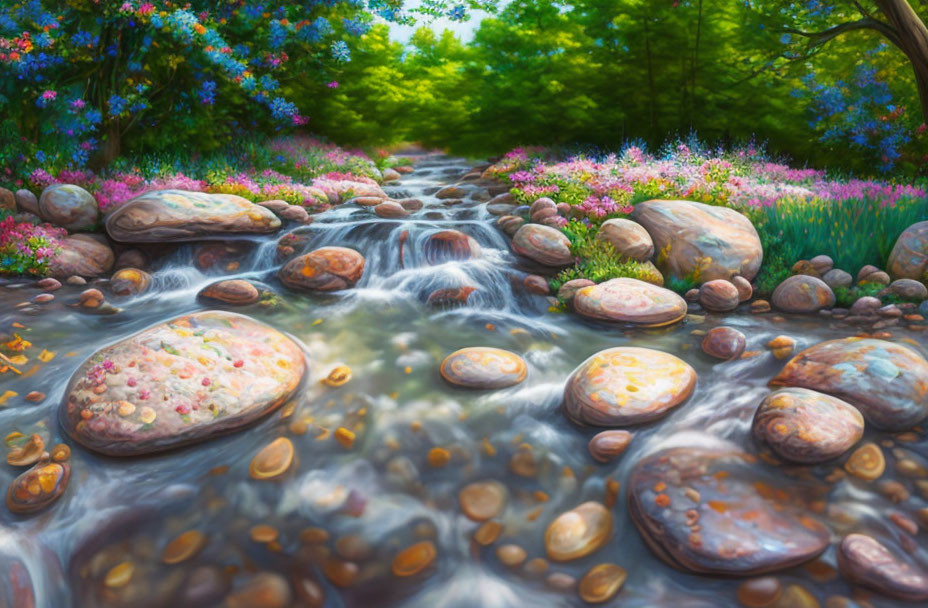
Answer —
464 30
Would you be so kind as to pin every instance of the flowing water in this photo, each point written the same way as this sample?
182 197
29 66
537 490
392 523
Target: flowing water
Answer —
382 494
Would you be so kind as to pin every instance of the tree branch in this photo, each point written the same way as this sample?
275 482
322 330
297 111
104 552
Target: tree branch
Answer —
817 39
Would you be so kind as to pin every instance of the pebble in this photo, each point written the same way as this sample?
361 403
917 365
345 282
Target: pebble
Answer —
273 460
43 298
439 457
760 306
866 462
263 533
782 346
609 445
724 343
119 575
265 589
601 583
35 397
38 487
414 559
578 532
27 453
341 573
488 532
184 547
338 376
511 555
560 581
760 592
483 500
49 284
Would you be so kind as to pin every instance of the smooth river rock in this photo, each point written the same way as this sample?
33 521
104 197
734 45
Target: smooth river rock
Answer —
234 292
181 215
628 238
687 236
719 295
802 294
324 269
129 282
543 244
887 382
806 426
578 532
724 343
627 385
627 300
711 511
483 368
909 257
81 255
68 206
180 382
863 560
450 245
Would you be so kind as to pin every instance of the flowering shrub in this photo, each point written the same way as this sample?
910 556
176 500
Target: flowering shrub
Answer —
27 248
284 168
799 213
206 68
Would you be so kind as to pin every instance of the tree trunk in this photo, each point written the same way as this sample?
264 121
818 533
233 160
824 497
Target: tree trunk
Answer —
110 147
911 37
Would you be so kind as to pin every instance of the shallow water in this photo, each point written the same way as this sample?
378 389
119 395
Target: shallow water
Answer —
382 494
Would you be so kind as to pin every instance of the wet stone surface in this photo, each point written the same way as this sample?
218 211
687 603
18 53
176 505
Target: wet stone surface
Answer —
743 526
627 386
180 382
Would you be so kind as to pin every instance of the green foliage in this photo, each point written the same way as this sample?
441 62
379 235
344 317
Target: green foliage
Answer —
846 296
854 231
598 260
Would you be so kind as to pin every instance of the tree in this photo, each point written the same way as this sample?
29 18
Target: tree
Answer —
815 23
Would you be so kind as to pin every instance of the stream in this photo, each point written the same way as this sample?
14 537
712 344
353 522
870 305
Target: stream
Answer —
342 513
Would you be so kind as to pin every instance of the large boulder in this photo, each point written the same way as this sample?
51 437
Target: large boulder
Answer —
81 255
909 257
630 301
68 206
713 511
626 385
628 238
180 382
887 382
324 269
803 294
865 561
718 242
7 200
27 201
181 215
543 244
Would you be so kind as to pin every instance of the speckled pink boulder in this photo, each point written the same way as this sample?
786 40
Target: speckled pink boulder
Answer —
627 300
180 382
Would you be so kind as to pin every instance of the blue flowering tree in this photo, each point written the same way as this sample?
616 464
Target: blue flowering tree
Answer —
86 76
806 27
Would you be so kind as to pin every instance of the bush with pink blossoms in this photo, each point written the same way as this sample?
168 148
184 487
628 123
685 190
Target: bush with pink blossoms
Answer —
26 248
